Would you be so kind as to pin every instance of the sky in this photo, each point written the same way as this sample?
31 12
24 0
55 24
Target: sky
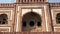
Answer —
13 1
54 1
7 1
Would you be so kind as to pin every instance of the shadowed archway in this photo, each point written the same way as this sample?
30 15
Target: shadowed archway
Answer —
58 18
3 18
30 21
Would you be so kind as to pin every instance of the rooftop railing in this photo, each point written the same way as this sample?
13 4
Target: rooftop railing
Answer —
30 1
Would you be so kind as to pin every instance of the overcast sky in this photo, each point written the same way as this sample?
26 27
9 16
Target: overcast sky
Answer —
13 1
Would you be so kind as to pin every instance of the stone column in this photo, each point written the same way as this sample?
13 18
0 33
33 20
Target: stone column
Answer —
47 18
19 19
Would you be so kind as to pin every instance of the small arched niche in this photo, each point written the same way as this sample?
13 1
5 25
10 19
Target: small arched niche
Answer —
58 18
30 20
3 19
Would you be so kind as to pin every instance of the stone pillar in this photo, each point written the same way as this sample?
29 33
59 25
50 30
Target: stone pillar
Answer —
18 19
47 18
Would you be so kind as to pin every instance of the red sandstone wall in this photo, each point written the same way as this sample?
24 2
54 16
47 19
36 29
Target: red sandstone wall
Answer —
30 33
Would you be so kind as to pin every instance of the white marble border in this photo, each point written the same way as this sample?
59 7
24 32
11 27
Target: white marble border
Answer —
17 24
55 29
19 7
52 12
46 18
6 27
26 6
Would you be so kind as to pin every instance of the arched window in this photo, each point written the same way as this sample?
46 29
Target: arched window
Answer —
3 19
58 18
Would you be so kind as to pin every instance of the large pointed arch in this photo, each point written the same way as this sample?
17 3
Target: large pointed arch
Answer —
30 20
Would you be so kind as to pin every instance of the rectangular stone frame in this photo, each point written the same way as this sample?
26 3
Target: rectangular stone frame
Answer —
19 16
10 14
54 12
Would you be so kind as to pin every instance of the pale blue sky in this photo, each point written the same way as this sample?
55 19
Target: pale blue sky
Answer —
13 1
7 1
58 1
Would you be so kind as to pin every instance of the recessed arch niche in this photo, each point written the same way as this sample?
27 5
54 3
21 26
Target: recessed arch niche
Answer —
58 18
3 19
30 20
